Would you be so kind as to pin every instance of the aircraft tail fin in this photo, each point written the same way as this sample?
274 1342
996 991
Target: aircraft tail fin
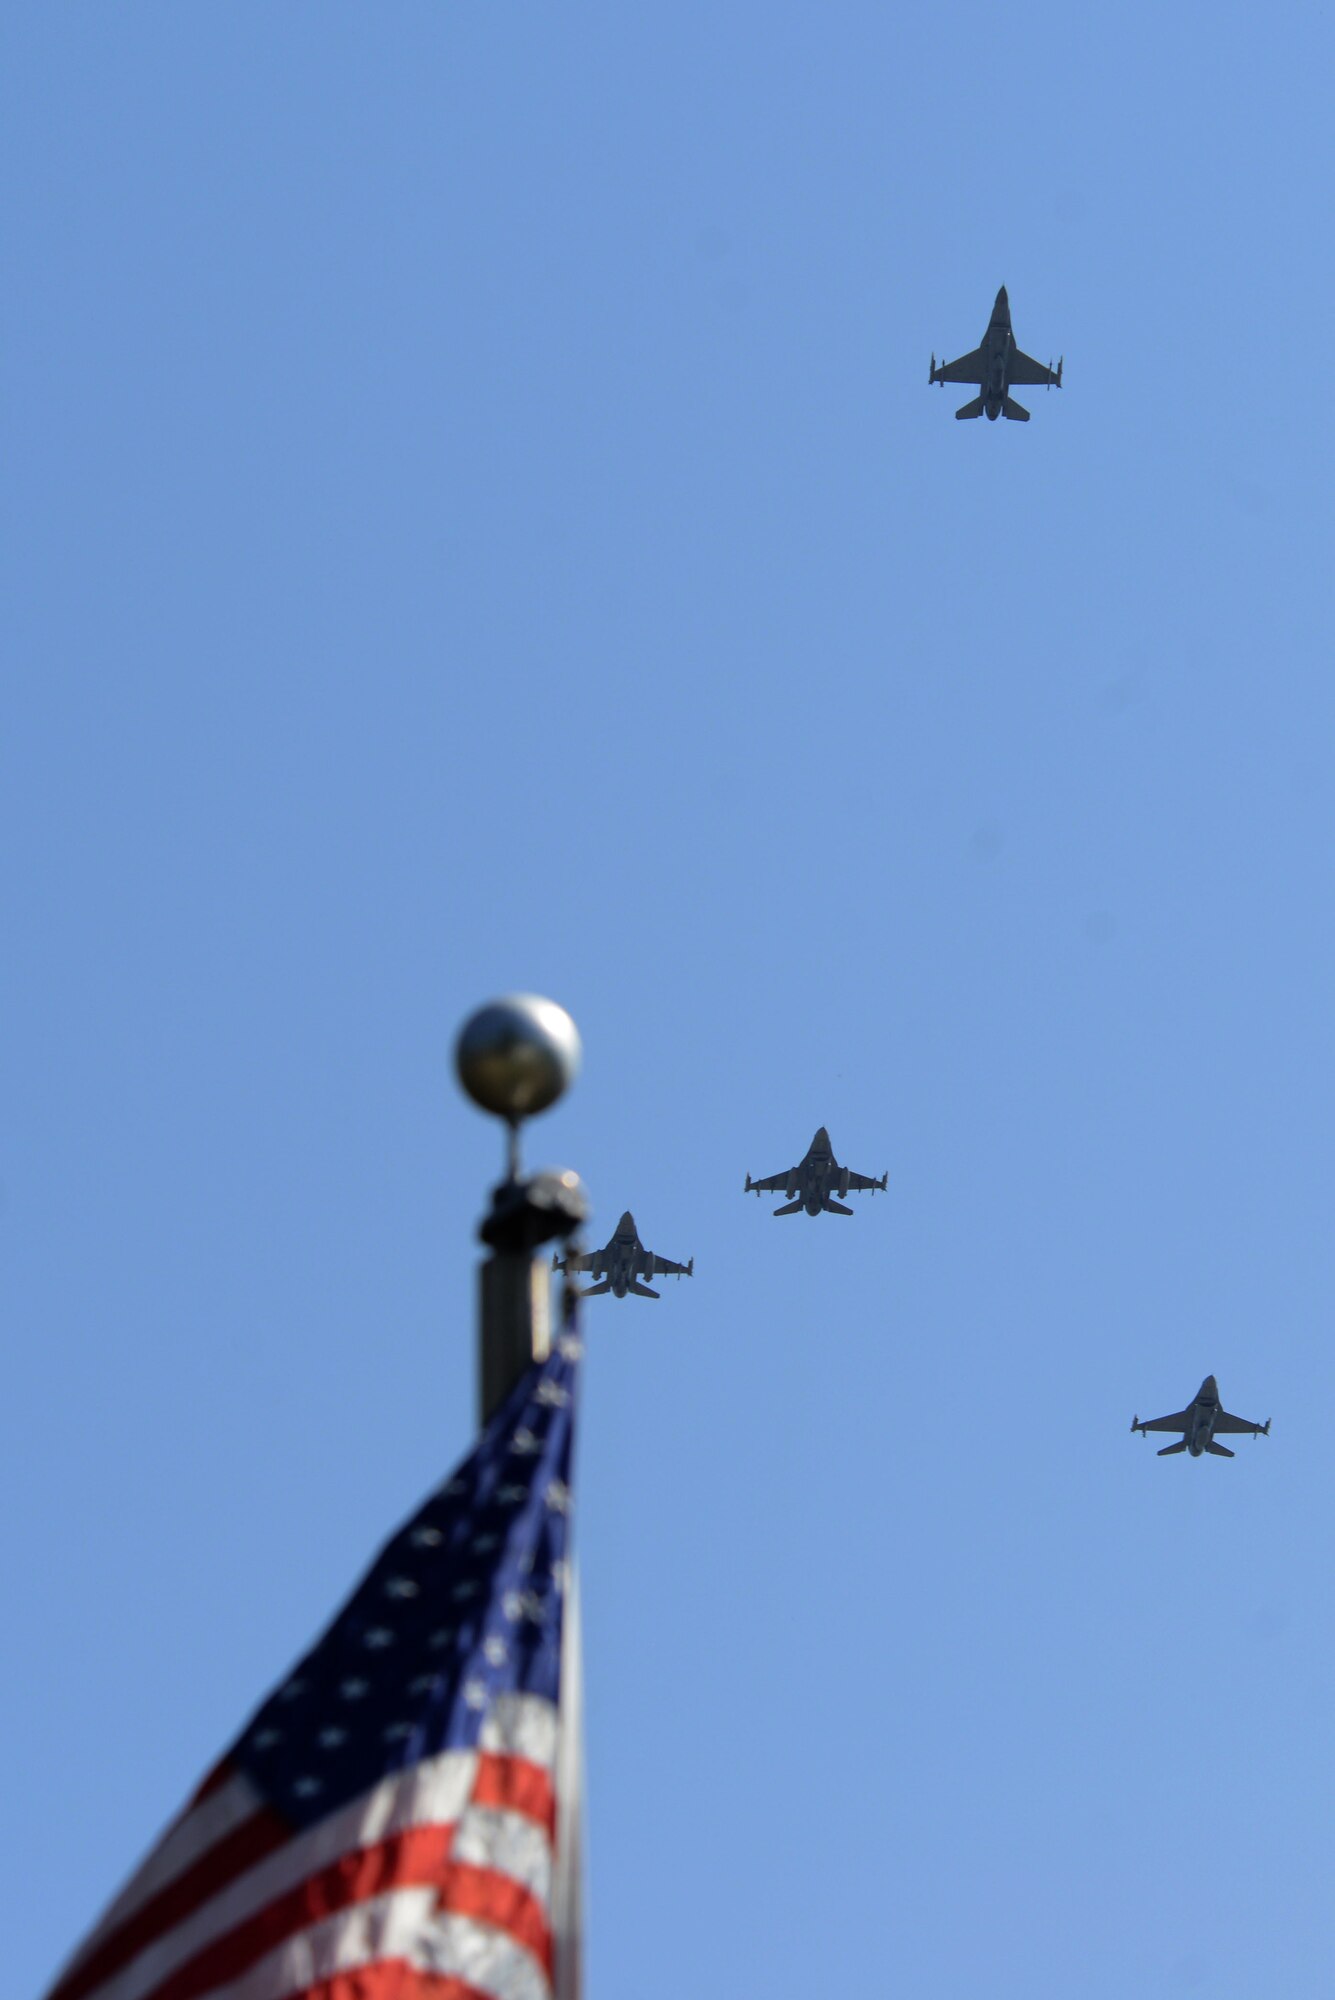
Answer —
595 1291
1015 411
1220 1450
1169 1449
833 1207
789 1207
642 1291
973 409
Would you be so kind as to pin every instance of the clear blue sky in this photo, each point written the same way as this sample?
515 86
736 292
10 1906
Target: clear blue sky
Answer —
475 517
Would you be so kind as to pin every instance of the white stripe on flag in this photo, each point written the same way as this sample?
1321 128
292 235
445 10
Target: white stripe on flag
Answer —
508 1843
487 1959
522 1725
431 1793
385 1927
199 1828
403 1926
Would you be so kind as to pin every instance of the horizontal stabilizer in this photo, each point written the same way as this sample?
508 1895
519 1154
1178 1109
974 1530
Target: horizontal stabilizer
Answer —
595 1291
1220 1450
642 1291
1015 411
789 1207
833 1207
973 409
1169 1449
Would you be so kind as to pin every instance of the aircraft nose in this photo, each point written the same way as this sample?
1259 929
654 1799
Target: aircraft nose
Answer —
1209 1387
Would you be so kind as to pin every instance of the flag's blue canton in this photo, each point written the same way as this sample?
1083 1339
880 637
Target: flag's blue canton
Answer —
463 1604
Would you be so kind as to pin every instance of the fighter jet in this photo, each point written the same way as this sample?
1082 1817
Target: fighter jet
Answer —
621 1263
813 1183
1199 1422
997 366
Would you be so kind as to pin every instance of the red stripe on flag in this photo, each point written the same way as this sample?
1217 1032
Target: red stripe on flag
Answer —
501 1902
415 1859
219 1775
511 1784
393 1979
419 1858
263 1834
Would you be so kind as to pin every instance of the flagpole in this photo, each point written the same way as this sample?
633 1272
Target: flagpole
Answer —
516 1057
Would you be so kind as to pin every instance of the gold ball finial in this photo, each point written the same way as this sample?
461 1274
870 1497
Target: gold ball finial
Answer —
517 1055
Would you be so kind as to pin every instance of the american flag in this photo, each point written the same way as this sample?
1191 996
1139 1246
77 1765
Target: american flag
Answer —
386 1825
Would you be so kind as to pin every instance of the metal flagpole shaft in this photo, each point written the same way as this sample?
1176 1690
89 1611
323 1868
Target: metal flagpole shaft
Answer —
514 1324
515 1057
568 1879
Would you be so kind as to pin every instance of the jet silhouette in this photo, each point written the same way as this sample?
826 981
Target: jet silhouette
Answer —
996 366
814 1182
621 1263
1199 1422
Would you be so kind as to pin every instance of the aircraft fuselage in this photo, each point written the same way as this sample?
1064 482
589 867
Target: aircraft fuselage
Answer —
817 1174
1203 1415
626 1262
998 348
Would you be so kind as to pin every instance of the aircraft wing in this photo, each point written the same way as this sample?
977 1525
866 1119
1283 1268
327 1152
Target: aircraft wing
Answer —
665 1268
969 368
592 1261
864 1182
1233 1425
1177 1423
776 1184
1031 374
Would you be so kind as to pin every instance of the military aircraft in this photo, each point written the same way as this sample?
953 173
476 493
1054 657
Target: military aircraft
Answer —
997 366
1200 1421
814 1182
621 1263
